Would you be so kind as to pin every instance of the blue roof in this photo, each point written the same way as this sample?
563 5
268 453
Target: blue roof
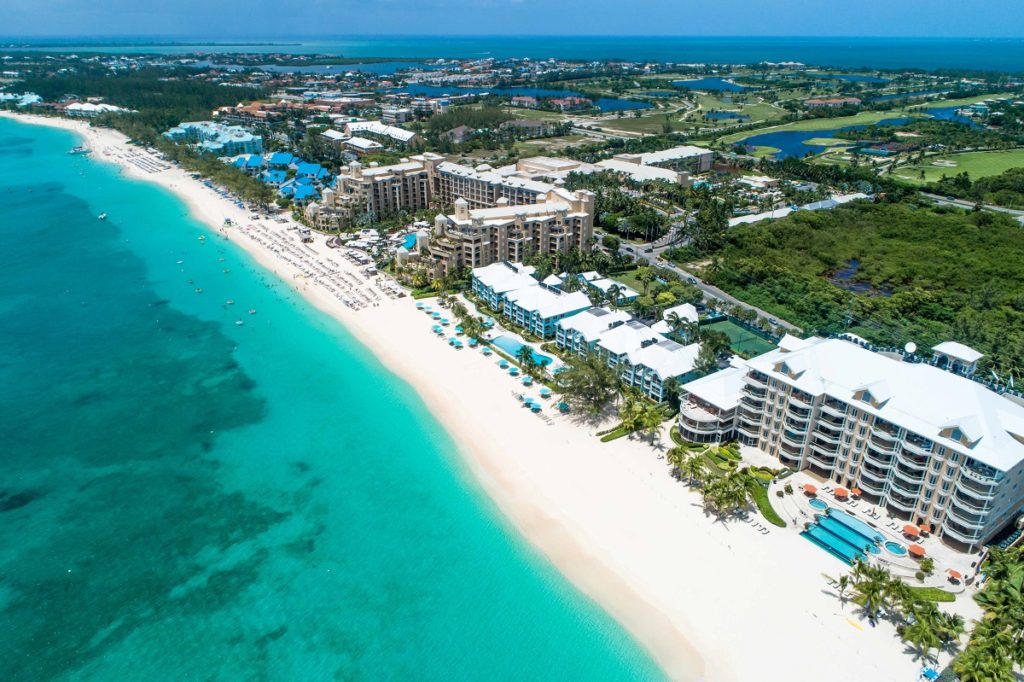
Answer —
281 158
303 180
239 162
304 192
311 169
254 161
275 177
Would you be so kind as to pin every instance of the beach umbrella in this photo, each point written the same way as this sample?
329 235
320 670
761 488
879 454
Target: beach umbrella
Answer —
925 528
954 575
911 530
810 489
856 492
917 550
472 343
842 493
564 407
545 392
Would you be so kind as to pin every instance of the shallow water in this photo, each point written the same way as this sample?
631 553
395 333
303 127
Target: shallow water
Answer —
185 498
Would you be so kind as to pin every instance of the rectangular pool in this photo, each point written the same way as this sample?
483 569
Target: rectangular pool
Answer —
511 346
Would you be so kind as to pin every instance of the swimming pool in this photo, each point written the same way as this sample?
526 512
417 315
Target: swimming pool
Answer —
410 241
843 536
896 548
511 346
818 504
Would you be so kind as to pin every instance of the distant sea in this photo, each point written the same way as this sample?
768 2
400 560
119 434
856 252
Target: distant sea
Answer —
184 498
997 54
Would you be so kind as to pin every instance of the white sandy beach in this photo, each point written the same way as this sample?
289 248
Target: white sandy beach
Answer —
709 600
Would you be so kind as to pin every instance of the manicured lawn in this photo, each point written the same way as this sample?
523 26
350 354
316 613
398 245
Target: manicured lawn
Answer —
961 102
630 280
826 141
862 118
976 164
933 593
651 124
760 151
764 504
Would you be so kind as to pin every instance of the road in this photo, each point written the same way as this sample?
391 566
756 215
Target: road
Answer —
709 291
963 203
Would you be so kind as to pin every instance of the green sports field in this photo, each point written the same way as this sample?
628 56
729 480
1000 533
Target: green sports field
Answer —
742 341
976 164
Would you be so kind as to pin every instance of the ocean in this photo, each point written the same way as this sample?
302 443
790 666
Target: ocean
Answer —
185 498
996 54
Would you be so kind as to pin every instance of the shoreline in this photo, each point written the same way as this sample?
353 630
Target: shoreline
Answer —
607 516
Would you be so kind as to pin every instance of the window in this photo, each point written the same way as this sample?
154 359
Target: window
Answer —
933 479
946 485
941 501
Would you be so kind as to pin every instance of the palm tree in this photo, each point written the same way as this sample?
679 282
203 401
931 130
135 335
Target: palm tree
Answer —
525 357
842 585
695 469
614 293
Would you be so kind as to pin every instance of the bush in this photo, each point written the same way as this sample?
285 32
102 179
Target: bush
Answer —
779 493
789 488
920 576
764 505
933 594
617 432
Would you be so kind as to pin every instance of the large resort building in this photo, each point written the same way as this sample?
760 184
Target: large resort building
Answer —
932 446
496 218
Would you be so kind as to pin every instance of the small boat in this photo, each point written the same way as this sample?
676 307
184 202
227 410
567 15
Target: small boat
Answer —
252 311
201 237
102 216
239 323
78 150
180 262
199 290
226 270
230 301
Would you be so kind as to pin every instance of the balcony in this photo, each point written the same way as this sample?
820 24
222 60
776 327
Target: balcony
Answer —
956 531
793 451
826 437
884 435
975 490
794 439
834 410
970 503
978 476
911 490
909 475
965 518
881 456
796 427
878 475
917 447
753 392
822 462
752 433
825 448
797 402
915 462
699 426
870 487
900 502
757 381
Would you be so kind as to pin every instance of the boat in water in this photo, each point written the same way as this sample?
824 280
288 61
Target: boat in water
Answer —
79 150
102 216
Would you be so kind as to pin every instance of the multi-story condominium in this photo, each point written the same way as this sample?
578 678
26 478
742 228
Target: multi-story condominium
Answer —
482 187
393 115
929 445
493 281
686 158
539 308
216 138
385 190
382 131
474 238
579 334
643 358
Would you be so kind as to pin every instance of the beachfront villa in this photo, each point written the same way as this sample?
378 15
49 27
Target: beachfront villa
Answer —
493 281
539 308
641 355
603 285
930 446
216 138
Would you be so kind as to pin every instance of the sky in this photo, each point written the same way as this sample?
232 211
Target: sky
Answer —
232 19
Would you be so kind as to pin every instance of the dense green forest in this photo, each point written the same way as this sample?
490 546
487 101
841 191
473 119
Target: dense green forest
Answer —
890 273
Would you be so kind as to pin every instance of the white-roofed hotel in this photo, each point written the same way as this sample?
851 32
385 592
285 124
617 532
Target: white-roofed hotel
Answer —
928 444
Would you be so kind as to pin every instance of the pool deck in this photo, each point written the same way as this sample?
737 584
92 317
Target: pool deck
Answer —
796 508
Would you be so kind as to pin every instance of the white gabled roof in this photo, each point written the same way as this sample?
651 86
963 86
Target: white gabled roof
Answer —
593 322
682 152
958 351
627 337
916 396
638 172
552 281
666 358
723 389
546 302
363 143
504 277
686 311
378 128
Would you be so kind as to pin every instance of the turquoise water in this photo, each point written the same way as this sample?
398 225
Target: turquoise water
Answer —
512 347
410 241
183 498
1001 54
896 548
843 535
818 504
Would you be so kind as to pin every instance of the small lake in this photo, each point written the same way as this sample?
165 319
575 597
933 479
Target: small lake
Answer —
379 68
724 115
849 77
719 84
603 103
949 114
792 142
844 279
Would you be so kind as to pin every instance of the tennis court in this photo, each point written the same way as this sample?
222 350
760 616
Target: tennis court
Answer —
742 341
